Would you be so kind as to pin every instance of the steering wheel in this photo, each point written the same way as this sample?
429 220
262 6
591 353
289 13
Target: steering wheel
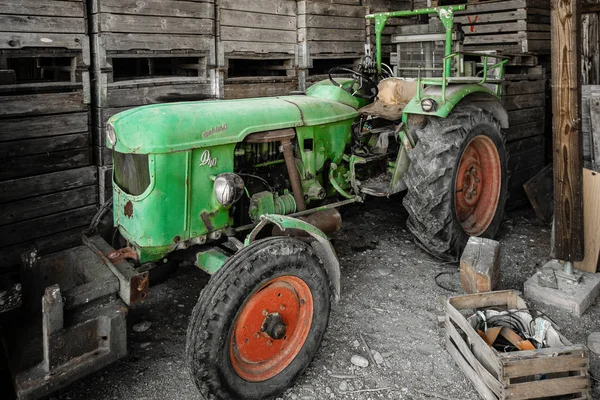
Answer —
359 77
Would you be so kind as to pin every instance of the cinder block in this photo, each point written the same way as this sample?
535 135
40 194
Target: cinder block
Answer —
480 265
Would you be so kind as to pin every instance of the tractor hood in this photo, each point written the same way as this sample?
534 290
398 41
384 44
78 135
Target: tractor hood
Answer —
164 128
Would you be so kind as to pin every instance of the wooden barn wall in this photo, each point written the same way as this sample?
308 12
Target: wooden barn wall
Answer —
590 38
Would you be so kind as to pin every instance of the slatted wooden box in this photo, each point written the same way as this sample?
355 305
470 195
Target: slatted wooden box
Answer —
514 375
330 35
48 188
591 139
510 25
257 50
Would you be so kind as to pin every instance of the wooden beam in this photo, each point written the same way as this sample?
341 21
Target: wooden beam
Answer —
566 127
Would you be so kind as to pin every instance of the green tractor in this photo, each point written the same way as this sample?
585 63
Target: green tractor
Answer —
249 190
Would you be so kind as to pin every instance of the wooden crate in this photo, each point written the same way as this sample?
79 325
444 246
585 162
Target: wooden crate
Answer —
512 375
257 49
511 25
591 144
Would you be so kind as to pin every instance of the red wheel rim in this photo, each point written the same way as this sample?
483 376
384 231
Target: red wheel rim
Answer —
255 355
478 185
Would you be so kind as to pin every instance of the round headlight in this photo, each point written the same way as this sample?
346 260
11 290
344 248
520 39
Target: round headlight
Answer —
428 105
229 188
111 135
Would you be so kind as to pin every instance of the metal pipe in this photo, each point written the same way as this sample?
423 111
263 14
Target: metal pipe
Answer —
290 162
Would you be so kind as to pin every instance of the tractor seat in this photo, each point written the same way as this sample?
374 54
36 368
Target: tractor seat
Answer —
394 95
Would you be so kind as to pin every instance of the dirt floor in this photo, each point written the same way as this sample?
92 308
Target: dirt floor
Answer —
389 296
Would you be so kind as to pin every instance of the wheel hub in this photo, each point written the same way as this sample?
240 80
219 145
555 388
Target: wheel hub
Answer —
271 328
478 185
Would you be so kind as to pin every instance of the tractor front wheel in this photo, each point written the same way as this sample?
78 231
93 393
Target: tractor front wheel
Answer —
259 321
457 181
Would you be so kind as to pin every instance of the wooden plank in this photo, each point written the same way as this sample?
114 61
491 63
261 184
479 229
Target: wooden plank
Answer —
40 206
518 117
277 7
522 131
591 213
260 89
316 48
23 40
334 35
21 148
139 41
329 9
566 96
521 101
43 7
43 24
322 21
129 97
488 379
47 125
590 56
546 365
40 104
230 33
38 164
528 86
244 19
11 256
43 226
522 161
516 181
548 387
151 24
526 145
174 8
480 386
47 183
540 190
258 48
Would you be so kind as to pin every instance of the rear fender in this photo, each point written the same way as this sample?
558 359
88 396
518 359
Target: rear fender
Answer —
456 95
320 244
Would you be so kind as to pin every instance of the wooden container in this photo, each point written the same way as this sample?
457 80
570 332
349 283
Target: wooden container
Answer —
511 25
514 375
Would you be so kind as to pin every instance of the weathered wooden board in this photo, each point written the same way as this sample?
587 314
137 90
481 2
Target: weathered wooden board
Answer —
522 161
38 227
40 206
518 117
40 104
129 42
594 134
41 163
590 55
525 86
278 7
263 88
11 256
43 126
243 19
50 24
174 8
231 33
47 183
21 148
522 101
54 8
591 215
123 96
522 131
170 26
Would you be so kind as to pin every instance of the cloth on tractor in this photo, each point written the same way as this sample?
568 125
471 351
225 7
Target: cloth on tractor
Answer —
394 95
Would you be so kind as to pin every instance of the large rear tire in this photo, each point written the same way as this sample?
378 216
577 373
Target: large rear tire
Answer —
457 181
259 321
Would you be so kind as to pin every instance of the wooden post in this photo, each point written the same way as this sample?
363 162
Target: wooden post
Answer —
566 126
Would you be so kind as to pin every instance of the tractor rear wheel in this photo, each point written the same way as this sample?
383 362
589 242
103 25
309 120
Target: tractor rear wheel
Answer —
259 321
457 181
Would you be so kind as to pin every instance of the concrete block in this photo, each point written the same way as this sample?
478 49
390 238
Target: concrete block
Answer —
574 297
480 265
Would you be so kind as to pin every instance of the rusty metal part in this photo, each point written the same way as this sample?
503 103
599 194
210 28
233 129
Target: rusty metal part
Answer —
327 221
133 285
124 254
128 209
284 136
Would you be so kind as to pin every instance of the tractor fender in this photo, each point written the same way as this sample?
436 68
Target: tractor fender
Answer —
321 245
479 95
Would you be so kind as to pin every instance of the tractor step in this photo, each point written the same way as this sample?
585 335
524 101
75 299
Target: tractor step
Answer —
71 323
378 186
